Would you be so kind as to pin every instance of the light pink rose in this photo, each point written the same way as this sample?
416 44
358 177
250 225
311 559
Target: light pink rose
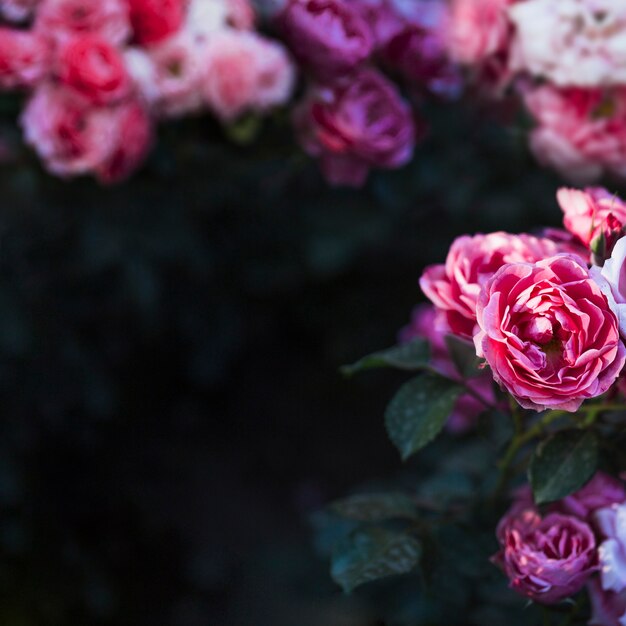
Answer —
548 333
611 522
571 42
59 19
24 58
586 211
608 608
244 72
240 14
18 10
546 559
478 29
579 132
612 281
454 286
428 324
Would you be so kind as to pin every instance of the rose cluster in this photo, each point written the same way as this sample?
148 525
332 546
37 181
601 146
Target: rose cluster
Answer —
352 117
567 60
100 73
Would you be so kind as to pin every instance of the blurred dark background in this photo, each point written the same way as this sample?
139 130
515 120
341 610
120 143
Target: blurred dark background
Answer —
172 410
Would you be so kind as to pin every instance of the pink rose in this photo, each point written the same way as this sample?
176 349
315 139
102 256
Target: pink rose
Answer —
612 281
454 286
546 559
586 212
427 323
581 133
244 72
548 333
59 19
600 492
240 14
478 29
155 20
611 522
17 10
608 608
355 126
24 58
328 36
94 68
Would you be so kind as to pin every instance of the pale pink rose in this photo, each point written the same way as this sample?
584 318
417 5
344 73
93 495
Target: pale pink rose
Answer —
611 522
586 211
428 324
140 67
478 29
240 14
579 132
454 287
59 19
612 281
607 608
546 559
18 10
548 333
571 42
24 58
600 492
206 18
244 72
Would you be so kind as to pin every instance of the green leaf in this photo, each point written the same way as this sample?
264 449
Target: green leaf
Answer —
408 356
463 355
562 464
372 553
419 410
375 507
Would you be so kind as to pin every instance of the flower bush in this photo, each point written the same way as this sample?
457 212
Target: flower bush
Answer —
522 345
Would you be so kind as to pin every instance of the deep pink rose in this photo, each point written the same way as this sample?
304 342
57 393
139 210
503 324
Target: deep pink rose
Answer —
244 72
17 10
600 492
356 126
612 281
546 559
155 20
24 58
454 286
94 68
329 36
59 19
611 522
427 323
579 132
585 212
607 608
548 333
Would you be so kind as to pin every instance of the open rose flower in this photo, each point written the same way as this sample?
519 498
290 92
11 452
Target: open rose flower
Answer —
329 36
155 20
454 286
94 68
548 333
24 58
356 126
600 492
571 42
546 559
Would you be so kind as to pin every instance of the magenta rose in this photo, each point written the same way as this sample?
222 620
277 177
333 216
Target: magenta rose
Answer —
546 559
453 287
24 58
548 333
329 36
607 608
356 126
600 492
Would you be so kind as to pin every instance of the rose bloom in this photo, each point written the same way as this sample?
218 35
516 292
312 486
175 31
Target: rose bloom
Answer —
454 287
428 324
600 492
585 212
18 10
244 72
612 551
548 333
546 559
94 68
155 20
579 132
612 281
571 42
607 608
59 19
478 29
24 58
356 126
328 36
